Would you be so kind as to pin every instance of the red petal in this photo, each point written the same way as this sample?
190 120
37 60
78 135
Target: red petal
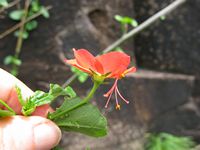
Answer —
86 60
114 62
74 63
130 70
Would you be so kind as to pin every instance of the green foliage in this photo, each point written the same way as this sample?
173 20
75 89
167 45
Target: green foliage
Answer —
16 14
126 20
162 17
40 98
44 12
82 76
13 61
9 60
31 25
78 116
57 148
24 35
119 49
8 112
165 141
3 3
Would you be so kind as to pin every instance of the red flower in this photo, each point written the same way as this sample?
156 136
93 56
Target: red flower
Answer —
110 65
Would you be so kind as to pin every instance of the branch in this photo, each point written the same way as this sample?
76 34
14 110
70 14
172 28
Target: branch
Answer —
11 4
15 27
21 30
145 24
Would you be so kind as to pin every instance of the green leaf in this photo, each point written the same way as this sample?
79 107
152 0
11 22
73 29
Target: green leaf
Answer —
82 76
35 6
118 18
76 116
25 34
16 14
119 49
126 20
19 94
40 98
162 18
165 141
31 25
6 113
12 60
44 12
3 3
134 23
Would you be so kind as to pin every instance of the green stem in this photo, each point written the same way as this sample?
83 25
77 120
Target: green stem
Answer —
8 107
84 101
93 90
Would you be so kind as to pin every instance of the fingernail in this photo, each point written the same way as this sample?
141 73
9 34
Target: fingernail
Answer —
46 135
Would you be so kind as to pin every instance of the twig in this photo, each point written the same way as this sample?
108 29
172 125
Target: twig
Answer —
69 81
15 27
11 4
20 37
145 24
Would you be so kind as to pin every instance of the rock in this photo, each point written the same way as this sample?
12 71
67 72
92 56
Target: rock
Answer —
73 24
172 44
151 94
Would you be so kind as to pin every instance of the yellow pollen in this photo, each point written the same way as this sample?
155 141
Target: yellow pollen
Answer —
118 106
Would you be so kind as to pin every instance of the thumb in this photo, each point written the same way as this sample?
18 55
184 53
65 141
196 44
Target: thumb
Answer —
32 133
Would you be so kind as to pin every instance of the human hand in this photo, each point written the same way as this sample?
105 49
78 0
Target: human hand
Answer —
20 132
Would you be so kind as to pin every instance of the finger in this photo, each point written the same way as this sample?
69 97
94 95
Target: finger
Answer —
9 94
31 133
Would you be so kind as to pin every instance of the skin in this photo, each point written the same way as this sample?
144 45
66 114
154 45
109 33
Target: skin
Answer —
25 133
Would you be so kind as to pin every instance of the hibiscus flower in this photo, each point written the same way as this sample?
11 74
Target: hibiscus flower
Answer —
110 65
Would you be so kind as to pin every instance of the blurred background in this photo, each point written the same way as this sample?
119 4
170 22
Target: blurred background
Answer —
164 94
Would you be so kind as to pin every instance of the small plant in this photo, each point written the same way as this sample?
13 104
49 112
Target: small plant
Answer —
125 21
78 114
166 141
17 15
20 15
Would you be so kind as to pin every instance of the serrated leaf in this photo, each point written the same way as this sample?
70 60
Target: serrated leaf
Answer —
40 98
16 14
165 141
76 116
31 25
